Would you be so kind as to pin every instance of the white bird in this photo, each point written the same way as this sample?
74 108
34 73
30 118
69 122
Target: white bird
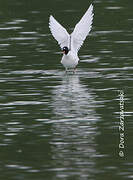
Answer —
70 44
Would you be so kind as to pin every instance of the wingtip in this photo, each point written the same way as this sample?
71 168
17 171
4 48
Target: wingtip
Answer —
50 16
50 20
91 6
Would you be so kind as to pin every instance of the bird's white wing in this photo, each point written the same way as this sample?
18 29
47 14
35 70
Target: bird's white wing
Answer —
82 29
59 32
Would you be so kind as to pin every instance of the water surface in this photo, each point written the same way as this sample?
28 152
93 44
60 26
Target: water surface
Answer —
63 126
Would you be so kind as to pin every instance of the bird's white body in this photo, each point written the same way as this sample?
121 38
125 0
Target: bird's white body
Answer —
70 60
73 41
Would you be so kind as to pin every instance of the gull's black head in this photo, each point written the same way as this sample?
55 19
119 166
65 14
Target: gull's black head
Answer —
65 50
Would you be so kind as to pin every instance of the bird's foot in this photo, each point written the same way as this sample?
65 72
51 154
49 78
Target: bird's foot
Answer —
70 70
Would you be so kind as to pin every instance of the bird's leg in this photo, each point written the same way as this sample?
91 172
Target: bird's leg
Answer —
66 69
74 71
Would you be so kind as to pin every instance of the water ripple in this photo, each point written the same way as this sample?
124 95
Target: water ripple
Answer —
17 103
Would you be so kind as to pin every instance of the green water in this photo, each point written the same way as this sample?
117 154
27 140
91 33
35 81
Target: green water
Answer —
58 126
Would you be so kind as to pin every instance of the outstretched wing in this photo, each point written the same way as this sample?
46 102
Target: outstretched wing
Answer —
82 29
59 32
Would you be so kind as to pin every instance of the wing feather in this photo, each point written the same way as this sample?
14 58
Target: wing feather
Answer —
59 32
82 29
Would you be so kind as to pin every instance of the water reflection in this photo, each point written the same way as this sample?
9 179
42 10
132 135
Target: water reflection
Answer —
57 126
71 99
74 128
